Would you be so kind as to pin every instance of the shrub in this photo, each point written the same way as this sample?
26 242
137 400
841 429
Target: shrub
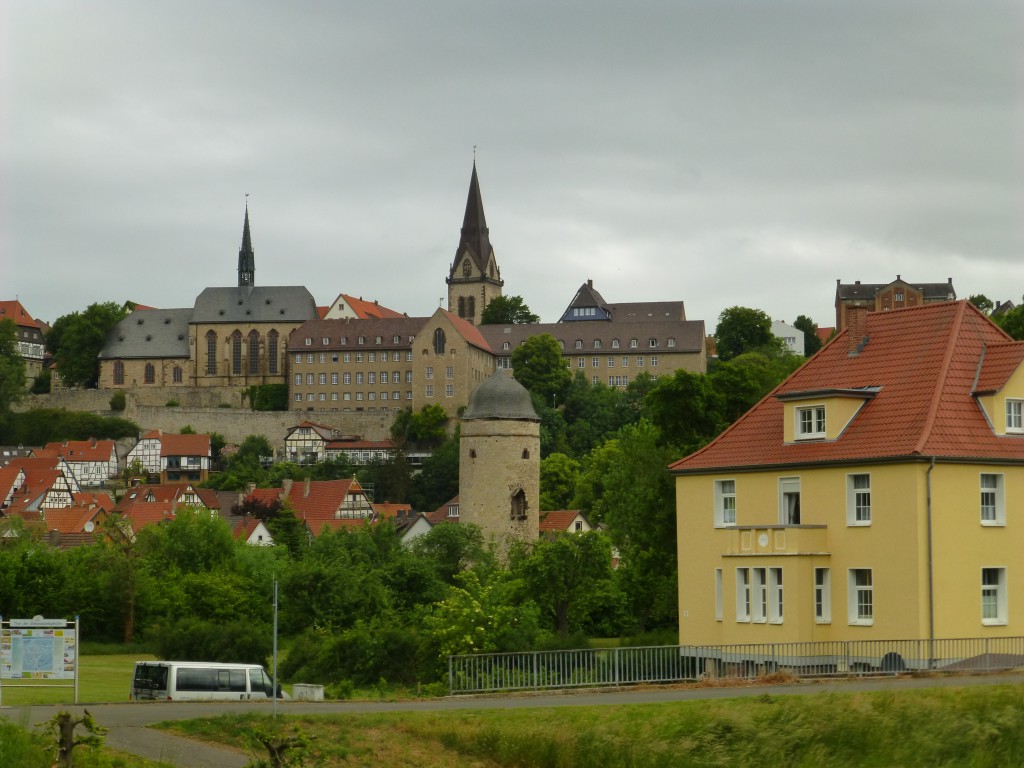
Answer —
117 401
244 642
171 404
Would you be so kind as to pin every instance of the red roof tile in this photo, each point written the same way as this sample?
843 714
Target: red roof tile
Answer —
80 450
924 361
468 331
367 310
557 520
13 309
185 445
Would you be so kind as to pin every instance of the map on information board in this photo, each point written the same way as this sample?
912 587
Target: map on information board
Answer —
37 652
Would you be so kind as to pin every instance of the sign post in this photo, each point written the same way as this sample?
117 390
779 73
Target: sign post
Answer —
39 649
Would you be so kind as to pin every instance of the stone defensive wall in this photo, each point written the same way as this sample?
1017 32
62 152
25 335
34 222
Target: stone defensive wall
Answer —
207 411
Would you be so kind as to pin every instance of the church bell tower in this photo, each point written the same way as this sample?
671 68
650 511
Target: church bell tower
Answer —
474 278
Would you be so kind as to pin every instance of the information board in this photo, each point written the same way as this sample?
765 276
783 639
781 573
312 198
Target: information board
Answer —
29 649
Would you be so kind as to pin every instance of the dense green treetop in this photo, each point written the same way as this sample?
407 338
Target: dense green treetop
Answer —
538 365
741 329
1012 322
77 339
982 302
12 367
812 342
508 310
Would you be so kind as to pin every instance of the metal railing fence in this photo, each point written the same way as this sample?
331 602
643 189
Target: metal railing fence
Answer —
596 667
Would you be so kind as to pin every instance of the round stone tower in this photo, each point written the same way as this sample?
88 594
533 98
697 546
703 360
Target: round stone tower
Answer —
499 462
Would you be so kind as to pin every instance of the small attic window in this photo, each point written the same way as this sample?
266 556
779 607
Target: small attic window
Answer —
181 337
167 321
220 311
266 301
380 339
120 338
248 311
139 321
281 311
396 339
239 302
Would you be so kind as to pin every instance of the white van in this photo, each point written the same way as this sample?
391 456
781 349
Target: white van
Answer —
199 681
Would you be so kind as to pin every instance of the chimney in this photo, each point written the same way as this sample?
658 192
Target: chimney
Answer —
857 330
286 488
249 488
305 493
590 283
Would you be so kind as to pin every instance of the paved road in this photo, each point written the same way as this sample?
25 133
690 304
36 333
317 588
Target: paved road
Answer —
128 732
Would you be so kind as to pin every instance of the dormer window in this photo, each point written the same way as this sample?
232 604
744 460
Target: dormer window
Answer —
579 343
597 343
309 342
633 344
672 342
810 422
1015 415
615 343
325 341
344 340
652 343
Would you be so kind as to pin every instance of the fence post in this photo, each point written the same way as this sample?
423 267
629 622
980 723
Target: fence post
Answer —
536 676
618 677
451 678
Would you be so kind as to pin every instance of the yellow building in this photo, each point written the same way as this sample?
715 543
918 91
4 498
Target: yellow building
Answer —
876 494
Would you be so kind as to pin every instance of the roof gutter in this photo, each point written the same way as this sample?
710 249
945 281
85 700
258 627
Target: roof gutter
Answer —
931 565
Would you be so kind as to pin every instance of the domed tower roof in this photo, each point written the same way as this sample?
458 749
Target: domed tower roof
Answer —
500 397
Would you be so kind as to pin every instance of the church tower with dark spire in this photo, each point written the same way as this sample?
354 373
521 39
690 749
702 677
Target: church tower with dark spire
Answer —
246 257
474 278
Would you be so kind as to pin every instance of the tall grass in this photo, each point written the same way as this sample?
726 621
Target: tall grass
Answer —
975 727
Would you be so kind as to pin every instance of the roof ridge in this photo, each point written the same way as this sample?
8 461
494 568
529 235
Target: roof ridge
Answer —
940 379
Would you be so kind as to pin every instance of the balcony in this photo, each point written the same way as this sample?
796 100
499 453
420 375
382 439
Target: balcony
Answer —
776 540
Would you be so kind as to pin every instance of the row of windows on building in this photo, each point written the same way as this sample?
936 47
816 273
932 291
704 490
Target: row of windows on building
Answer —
992 498
346 397
148 373
760 596
359 377
595 362
359 340
383 356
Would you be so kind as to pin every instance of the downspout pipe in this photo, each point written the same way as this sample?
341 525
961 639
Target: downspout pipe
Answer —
931 568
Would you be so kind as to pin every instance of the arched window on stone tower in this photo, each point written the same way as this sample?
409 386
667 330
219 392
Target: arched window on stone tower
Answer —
472 307
467 268
462 306
519 505
439 341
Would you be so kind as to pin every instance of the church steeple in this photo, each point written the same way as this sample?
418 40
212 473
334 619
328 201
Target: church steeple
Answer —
475 235
474 278
246 257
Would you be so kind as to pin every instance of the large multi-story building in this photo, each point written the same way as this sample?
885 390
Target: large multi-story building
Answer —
874 495
882 297
613 343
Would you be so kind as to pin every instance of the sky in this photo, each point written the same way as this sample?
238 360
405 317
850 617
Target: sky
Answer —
723 152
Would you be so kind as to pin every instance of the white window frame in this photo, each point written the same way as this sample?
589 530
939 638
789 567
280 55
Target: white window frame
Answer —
822 595
810 422
759 597
718 595
788 515
992 501
725 503
993 596
858 499
743 595
859 596
776 604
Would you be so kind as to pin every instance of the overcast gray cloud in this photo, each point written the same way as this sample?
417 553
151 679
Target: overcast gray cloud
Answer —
720 152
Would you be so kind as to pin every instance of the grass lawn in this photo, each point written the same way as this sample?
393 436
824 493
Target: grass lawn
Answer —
102 678
977 727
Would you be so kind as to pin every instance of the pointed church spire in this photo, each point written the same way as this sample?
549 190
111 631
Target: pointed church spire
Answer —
246 257
475 235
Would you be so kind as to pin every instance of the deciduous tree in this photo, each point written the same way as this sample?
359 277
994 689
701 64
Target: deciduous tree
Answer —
812 342
741 329
538 365
76 341
507 310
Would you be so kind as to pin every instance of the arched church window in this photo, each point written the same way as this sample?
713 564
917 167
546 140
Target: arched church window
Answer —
119 372
272 339
254 352
211 353
150 373
472 307
467 268
462 306
176 374
236 353
439 341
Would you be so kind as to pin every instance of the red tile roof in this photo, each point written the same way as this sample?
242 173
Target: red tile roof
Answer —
185 445
440 515
924 361
385 510
557 520
369 309
1001 360
468 331
13 309
80 450
315 500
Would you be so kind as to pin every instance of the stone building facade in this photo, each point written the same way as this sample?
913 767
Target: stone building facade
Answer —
882 297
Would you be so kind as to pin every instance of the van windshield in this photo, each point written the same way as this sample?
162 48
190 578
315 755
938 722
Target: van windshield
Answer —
150 679
260 681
